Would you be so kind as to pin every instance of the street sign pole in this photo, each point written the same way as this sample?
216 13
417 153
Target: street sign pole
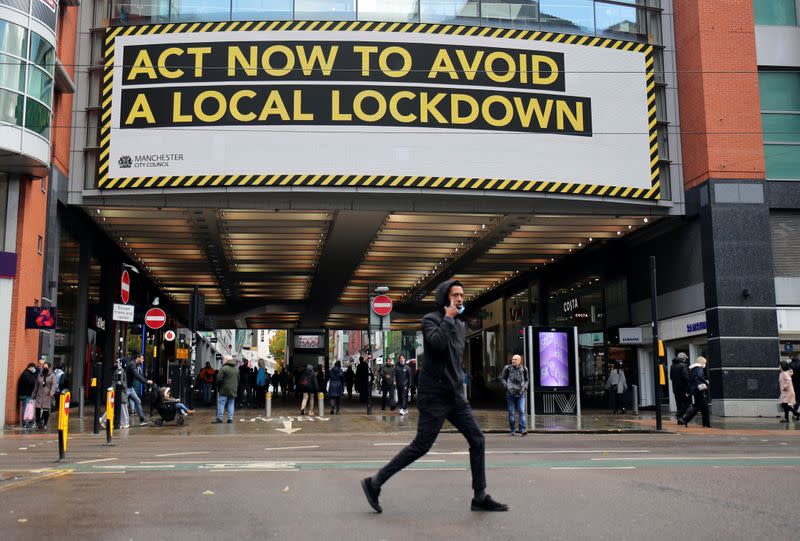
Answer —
656 360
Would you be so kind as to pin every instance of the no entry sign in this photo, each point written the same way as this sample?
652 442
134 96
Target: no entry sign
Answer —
125 287
155 318
382 305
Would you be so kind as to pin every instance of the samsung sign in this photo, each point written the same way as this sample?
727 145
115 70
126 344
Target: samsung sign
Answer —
377 105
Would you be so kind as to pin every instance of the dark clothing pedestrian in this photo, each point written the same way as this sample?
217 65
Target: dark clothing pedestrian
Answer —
441 398
336 381
362 380
386 375
320 373
402 381
698 387
413 372
794 366
349 379
679 375
26 383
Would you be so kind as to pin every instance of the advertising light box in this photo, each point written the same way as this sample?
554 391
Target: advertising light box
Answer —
377 105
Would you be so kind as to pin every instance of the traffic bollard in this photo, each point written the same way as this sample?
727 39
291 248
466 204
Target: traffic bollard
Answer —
635 389
321 403
80 403
63 423
109 416
268 412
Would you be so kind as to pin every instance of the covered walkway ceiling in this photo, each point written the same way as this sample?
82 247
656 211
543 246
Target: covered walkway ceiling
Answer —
313 269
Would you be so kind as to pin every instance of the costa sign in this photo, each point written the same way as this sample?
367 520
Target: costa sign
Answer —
577 113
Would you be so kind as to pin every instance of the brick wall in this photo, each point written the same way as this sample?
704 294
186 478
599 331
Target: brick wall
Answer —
718 90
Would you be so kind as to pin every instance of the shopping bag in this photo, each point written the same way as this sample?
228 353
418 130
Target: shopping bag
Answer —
29 414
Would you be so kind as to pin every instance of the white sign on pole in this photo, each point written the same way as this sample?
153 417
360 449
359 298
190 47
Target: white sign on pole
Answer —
630 335
123 312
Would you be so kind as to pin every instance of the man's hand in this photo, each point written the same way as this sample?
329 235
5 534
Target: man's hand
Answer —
149 381
451 311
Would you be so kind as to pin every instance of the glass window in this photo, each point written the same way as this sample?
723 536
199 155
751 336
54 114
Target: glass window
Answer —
37 118
781 128
200 10
780 90
42 53
12 38
449 11
40 85
775 12
11 107
3 211
571 16
388 10
654 34
140 11
328 10
261 10
783 161
619 22
510 13
12 72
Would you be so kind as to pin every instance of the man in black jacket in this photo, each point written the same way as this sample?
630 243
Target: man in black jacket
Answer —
25 386
133 373
795 366
441 397
679 374
402 380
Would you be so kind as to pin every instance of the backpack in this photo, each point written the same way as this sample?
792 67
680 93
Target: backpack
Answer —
261 378
304 382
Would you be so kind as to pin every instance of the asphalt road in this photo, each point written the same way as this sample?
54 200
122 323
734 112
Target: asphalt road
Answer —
306 486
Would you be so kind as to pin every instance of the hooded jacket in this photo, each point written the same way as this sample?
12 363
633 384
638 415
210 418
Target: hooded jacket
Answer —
679 374
228 380
697 378
443 340
335 382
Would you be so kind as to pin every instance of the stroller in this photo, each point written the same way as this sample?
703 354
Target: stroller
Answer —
167 410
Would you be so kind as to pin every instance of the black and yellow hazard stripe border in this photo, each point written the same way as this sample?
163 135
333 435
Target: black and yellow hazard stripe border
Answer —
104 182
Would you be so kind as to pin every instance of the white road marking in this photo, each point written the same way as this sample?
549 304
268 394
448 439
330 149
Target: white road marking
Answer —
23 448
291 448
548 452
186 453
719 457
287 428
390 444
435 469
95 460
133 466
597 468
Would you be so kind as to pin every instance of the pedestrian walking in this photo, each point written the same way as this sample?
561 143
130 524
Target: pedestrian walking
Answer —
227 388
307 384
320 374
788 397
261 385
617 385
515 380
43 392
679 375
276 379
207 382
440 398
133 373
362 379
413 372
794 364
402 380
286 381
349 380
699 389
336 386
386 378
25 387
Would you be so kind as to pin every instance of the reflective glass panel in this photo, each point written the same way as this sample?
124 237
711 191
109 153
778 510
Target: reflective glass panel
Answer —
12 39
12 73
781 128
42 53
783 161
11 107
40 85
328 10
388 10
449 11
510 13
570 16
775 12
37 118
780 90
619 22
139 11
200 10
261 10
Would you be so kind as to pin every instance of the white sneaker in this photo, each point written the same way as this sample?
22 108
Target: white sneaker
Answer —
125 426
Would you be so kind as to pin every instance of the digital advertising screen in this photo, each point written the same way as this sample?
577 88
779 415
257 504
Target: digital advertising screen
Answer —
554 359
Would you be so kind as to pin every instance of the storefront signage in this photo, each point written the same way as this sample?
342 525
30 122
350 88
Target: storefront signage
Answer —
630 335
100 323
377 105
123 312
699 326
37 317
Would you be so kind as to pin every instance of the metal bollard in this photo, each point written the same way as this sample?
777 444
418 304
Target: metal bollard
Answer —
80 403
321 404
268 412
635 389
109 416
63 423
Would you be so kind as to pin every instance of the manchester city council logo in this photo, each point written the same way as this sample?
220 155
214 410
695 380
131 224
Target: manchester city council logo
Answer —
125 162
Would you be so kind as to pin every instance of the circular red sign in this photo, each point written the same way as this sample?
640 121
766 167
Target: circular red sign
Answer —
382 305
125 287
169 336
155 318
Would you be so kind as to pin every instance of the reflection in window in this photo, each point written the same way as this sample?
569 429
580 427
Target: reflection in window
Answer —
388 10
11 105
775 12
12 73
619 22
12 38
37 118
200 10
570 16
328 10
449 11
140 11
42 53
261 10
40 85
510 13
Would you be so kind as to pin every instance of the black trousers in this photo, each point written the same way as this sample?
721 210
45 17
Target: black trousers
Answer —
701 405
336 402
402 396
387 390
42 416
682 402
433 410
